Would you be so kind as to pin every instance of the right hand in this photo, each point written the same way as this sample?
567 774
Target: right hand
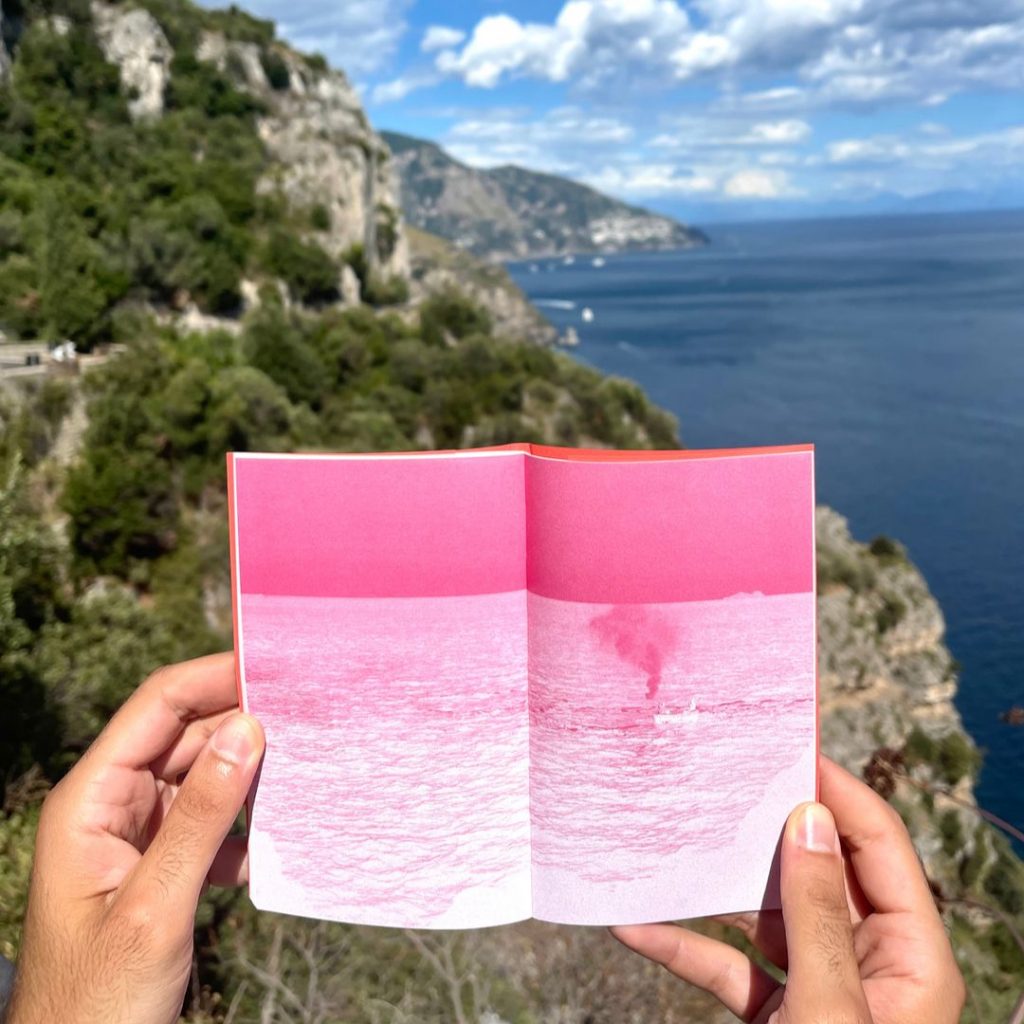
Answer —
859 937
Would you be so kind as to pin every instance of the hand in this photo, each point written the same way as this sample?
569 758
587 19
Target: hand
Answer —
125 848
859 937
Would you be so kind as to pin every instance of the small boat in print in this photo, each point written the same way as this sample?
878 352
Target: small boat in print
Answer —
671 717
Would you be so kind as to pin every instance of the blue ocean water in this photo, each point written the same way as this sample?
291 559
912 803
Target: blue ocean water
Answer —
896 345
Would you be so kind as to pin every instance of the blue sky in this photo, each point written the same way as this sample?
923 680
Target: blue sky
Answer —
709 109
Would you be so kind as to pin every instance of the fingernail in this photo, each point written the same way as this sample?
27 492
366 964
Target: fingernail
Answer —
234 739
817 831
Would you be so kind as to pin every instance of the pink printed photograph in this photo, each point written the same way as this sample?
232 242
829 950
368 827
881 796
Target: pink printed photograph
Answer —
525 682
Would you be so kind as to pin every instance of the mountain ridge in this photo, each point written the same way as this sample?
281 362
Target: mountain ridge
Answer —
512 212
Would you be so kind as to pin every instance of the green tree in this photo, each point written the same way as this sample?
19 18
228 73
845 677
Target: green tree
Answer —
71 296
309 273
274 345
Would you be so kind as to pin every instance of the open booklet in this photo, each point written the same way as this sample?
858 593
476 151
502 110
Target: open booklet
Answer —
524 681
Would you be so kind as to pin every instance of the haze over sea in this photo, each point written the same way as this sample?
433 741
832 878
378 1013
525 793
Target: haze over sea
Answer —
896 346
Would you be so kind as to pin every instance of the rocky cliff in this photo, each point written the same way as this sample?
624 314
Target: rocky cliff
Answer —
437 265
323 156
887 684
5 56
511 213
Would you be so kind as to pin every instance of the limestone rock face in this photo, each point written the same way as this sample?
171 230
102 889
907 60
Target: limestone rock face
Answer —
325 154
5 57
437 265
132 39
882 663
885 674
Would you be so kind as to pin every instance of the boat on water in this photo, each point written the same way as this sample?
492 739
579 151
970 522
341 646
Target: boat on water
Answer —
597 261
587 314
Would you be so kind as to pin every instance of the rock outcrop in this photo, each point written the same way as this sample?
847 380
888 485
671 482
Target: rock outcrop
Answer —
437 265
5 57
883 666
887 685
132 39
324 153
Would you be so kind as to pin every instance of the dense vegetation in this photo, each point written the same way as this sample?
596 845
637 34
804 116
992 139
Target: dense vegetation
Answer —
112 495
97 212
113 554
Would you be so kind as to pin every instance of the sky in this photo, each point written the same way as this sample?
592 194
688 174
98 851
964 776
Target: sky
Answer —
705 109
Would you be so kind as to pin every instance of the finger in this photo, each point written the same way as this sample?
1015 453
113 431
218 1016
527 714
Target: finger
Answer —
824 977
765 932
231 863
174 868
732 978
883 856
160 709
178 758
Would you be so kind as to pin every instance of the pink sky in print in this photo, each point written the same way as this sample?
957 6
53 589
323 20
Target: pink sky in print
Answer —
498 685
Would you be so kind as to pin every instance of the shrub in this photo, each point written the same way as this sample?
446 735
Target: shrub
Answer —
320 217
952 833
919 748
123 506
887 550
276 69
449 314
1004 882
890 614
316 62
274 346
851 571
309 273
385 291
957 757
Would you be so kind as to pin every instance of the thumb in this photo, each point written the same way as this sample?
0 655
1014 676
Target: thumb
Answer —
174 868
823 981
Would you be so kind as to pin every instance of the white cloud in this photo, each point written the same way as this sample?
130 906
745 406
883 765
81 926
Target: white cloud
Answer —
589 40
441 37
703 51
710 132
358 36
848 52
398 88
758 184
567 140
779 158
652 180
775 133
880 149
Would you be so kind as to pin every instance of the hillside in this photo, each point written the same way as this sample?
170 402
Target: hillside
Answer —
212 213
512 213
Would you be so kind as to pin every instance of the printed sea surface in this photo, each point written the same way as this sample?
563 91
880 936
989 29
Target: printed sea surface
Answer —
414 777
896 345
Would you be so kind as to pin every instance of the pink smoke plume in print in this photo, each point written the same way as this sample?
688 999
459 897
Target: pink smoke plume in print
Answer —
641 636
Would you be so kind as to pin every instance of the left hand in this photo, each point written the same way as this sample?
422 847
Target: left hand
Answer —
125 849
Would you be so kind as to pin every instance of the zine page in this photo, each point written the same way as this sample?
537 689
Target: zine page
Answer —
673 721
578 686
381 637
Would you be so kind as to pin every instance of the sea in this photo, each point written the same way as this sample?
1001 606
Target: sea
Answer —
896 346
